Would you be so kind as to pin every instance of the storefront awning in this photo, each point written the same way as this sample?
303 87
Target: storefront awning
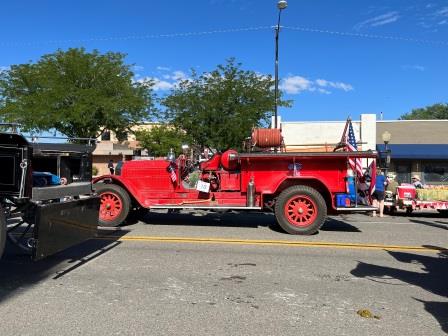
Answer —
414 151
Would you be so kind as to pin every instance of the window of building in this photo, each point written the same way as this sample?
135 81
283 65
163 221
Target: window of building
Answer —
435 173
105 136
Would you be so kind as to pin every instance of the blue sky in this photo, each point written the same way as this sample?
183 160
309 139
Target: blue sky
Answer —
330 65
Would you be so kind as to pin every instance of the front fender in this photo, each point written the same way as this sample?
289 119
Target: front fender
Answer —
116 179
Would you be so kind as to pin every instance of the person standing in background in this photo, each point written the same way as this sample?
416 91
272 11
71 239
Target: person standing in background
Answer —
416 182
110 165
378 194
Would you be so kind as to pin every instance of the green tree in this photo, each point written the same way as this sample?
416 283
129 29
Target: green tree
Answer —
79 93
160 139
219 108
436 111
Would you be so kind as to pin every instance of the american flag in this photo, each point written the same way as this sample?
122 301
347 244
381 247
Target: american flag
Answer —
172 171
355 164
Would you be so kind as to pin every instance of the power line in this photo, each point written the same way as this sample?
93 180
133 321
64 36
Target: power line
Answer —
224 31
368 36
138 37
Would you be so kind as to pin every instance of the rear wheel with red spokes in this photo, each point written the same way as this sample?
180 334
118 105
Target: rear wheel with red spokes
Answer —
300 210
114 206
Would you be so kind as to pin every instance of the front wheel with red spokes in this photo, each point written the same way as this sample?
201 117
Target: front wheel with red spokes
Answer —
114 205
300 210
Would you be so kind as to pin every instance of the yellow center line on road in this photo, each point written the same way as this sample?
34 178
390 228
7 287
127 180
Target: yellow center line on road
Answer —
199 240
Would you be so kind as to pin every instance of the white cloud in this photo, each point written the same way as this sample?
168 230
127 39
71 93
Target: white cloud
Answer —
414 67
443 12
179 75
161 85
4 68
162 68
379 20
165 82
298 84
336 85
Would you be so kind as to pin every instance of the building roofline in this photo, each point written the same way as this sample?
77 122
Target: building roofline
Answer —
411 120
318 122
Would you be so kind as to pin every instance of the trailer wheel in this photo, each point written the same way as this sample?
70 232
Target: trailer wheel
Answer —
300 210
2 231
114 206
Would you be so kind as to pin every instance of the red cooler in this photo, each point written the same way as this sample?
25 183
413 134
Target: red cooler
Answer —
406 192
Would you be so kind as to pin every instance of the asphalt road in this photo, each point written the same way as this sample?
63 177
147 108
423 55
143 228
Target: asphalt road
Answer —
236 274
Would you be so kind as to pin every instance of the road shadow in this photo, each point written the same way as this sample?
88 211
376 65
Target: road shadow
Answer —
230 219
209 218
18 272
433 278
420 214
332 224
437 224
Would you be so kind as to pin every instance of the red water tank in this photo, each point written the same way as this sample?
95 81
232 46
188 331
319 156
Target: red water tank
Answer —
230 160
266 137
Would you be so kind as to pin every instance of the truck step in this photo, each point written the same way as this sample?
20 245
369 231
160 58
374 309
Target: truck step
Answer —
359 208
204 207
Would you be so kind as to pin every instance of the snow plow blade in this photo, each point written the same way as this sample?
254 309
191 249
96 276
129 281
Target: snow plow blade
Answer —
62 225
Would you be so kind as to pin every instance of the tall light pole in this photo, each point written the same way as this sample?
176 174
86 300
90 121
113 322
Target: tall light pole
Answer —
281 5
386 136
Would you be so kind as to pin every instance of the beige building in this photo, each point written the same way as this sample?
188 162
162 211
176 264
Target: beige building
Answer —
418 147
109 148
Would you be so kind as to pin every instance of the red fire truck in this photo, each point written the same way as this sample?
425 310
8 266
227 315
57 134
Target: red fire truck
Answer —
300 188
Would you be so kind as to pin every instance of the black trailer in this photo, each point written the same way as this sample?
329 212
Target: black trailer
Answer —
44 218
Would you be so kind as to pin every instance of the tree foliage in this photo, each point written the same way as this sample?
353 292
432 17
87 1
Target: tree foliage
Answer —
76 92
436 111
160 139
219 108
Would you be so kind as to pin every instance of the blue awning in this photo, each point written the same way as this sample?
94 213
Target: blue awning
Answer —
414 151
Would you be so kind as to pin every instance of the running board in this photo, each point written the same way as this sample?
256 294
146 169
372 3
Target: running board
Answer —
360 208
204 207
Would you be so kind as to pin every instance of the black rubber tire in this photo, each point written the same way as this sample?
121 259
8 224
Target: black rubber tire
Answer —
2 231
102 188
409 210
315 196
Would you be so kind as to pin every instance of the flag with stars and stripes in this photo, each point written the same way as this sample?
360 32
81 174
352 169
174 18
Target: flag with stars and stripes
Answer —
355 164
171 169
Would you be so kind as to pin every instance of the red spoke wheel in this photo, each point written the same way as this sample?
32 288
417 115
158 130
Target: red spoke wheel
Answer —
115 204
300 210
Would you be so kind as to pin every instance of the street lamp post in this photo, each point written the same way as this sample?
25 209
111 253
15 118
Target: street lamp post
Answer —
386 136
281 5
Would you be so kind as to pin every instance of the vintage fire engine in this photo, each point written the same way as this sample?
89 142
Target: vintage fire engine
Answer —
46 199
300 188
